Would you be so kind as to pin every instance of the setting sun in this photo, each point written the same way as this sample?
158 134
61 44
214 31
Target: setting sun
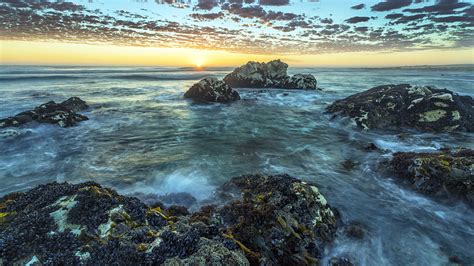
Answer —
198 62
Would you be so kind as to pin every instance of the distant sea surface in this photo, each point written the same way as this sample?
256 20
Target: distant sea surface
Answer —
143 136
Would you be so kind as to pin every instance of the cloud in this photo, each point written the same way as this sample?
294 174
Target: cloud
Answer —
441 7
206 4
207 16
354 20
394 16
358 7
257 12
274 2
406 19
388 5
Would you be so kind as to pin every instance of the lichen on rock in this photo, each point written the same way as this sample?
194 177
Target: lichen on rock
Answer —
266 219
212 90
268 75
426 108
444 173
62 114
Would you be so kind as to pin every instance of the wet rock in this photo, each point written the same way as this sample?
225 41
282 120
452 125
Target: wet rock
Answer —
268 75
212 90
340 261
349 165
443 173
278 219
62 114
425 108
355 230
271 219
301 81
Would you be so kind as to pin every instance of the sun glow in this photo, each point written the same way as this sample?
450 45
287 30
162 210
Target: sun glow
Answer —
198 62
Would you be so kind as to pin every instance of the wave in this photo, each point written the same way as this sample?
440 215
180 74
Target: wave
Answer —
160 77
138 77
47 77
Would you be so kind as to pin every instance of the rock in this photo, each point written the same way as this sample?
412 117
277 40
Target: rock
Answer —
340 261
212 90
279 220
355 230
301 81
276 219
441 173
425 108
62 114
268 75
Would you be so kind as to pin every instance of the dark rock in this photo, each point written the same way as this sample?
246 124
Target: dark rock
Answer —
441 173
212 90
424 108
277 220
268 75
355 230
340 261
62 114
349 164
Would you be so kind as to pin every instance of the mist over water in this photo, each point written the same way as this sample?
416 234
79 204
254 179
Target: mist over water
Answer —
143 136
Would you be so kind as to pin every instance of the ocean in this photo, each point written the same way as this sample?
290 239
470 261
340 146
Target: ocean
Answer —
143 136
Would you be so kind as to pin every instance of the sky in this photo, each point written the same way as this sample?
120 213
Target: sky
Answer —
232 32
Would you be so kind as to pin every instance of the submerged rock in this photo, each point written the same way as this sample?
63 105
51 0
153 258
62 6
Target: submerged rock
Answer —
268 75
424 108
212 90
443 173
276 219
62 114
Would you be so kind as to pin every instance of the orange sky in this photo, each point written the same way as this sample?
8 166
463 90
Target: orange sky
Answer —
23 52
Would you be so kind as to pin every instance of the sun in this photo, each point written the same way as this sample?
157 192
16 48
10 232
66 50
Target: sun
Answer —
198 62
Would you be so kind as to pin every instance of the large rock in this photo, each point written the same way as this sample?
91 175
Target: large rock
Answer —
443 173
266 220
212 90
62 114
268 75
425 108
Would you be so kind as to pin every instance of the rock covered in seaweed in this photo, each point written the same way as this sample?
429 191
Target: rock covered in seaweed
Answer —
212 90
425 108
62 114
268 75
440 173
277 219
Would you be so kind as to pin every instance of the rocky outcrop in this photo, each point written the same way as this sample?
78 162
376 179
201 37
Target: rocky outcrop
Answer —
266 220
425 108
443 173
268 75
212 90
62 114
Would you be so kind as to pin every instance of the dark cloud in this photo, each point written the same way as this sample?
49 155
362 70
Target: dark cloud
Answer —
257 12
358 7
206 4
394 16
327 21
388 5
207 16
441 7
452 19
274 2
361 29
407 19
354 20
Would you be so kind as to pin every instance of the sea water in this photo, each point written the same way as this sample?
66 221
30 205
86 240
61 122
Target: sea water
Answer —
143 136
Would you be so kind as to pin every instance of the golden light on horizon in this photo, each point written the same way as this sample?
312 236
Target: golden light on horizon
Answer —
57 53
